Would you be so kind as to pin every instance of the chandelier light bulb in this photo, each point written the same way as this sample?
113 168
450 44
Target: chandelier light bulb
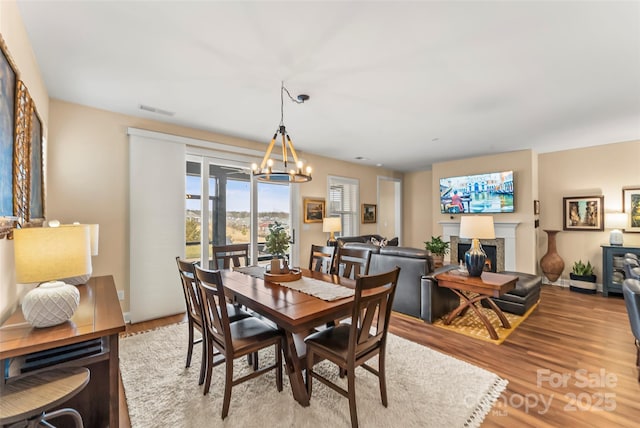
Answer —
270 163
308 170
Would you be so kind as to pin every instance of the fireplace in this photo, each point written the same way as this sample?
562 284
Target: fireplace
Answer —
505 243
492 248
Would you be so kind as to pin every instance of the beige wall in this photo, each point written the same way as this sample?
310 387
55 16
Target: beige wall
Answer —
20 51
601 170
522 163
417 213
386 207
88 179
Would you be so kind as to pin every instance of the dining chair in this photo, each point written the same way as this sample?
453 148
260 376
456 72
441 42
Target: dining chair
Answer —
352 345
186 270
233 340
321 258
352 262
228 256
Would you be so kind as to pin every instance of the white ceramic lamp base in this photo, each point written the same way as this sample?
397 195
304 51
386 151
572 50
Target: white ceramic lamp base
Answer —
50 304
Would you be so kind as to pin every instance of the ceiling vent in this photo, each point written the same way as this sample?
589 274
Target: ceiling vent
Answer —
156 110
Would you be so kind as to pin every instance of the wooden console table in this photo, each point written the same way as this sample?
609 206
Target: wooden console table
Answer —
472 290
88 339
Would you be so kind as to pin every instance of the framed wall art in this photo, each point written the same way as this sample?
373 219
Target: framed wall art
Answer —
369 213
36 178
313 210
631 206
7 129
583 213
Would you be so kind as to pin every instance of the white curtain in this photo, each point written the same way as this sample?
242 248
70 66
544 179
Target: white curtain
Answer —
156 229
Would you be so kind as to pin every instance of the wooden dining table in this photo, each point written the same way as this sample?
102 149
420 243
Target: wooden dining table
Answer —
296 313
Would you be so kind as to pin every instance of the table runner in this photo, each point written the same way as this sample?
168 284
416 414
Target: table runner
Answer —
320 289
314 287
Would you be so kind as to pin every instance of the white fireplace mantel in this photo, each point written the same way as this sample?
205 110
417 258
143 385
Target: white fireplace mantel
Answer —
505 230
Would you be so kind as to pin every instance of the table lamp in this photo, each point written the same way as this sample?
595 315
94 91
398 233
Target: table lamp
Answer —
476 227
94 235
332 225
47 254
615 221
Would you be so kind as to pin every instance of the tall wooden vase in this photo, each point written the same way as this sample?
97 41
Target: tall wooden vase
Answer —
551 263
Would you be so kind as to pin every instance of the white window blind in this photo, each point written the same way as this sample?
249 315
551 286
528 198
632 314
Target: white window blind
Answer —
343 200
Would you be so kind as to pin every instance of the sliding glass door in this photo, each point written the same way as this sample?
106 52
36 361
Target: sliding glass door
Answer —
237 209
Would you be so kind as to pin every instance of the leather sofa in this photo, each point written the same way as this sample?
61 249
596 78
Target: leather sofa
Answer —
416 295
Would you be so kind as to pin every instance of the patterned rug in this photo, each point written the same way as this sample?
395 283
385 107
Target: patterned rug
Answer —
425 388
470 325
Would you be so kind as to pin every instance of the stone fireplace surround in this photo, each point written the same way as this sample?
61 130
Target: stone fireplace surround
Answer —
505 242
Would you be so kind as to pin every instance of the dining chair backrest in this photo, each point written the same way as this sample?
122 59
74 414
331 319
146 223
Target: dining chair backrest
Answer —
227 256
372 302
321 258
216 318
352 262
186 270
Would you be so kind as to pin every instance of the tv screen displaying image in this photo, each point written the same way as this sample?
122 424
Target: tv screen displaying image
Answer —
477 194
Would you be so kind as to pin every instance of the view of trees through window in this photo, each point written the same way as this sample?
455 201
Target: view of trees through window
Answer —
229 208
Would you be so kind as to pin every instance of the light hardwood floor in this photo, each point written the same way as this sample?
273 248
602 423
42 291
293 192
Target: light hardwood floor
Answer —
571 363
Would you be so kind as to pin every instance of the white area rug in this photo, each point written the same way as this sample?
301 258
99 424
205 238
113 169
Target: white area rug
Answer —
425 389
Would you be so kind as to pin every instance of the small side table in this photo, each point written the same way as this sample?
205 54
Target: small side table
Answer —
475 289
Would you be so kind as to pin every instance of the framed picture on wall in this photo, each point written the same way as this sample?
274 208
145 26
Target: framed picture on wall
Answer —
313 210
369 213
583 213
631 206
36 179
7 129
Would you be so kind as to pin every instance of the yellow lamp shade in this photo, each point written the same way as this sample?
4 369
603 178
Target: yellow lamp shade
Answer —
49 253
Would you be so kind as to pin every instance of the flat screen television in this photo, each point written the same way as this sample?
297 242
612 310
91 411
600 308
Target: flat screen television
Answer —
477 194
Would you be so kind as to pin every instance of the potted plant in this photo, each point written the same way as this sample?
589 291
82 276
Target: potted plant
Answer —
277 240
582 278
438 249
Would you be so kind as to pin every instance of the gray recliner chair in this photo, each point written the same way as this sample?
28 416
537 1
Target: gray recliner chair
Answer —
631 292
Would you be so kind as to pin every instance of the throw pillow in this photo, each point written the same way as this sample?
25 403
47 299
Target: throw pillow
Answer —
381 243
393 242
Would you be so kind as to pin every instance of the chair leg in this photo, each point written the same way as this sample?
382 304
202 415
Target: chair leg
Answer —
203 362
308 375
382 377
279 366
207 382
351 382
255 361
190 346
228 383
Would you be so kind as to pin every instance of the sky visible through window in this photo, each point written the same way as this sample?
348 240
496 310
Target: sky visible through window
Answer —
272 197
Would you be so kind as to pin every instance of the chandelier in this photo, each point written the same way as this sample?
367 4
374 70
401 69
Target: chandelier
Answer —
266 171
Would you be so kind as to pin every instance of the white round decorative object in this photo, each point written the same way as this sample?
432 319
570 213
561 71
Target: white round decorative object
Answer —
51 303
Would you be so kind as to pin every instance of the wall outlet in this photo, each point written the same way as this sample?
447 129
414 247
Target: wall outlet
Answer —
120 294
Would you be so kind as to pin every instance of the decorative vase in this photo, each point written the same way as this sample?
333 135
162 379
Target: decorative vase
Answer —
51 303
551 263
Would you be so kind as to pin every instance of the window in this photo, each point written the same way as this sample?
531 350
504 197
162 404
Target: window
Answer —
343 201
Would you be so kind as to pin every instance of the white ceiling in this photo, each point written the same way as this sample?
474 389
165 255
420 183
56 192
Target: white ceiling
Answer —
404 84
